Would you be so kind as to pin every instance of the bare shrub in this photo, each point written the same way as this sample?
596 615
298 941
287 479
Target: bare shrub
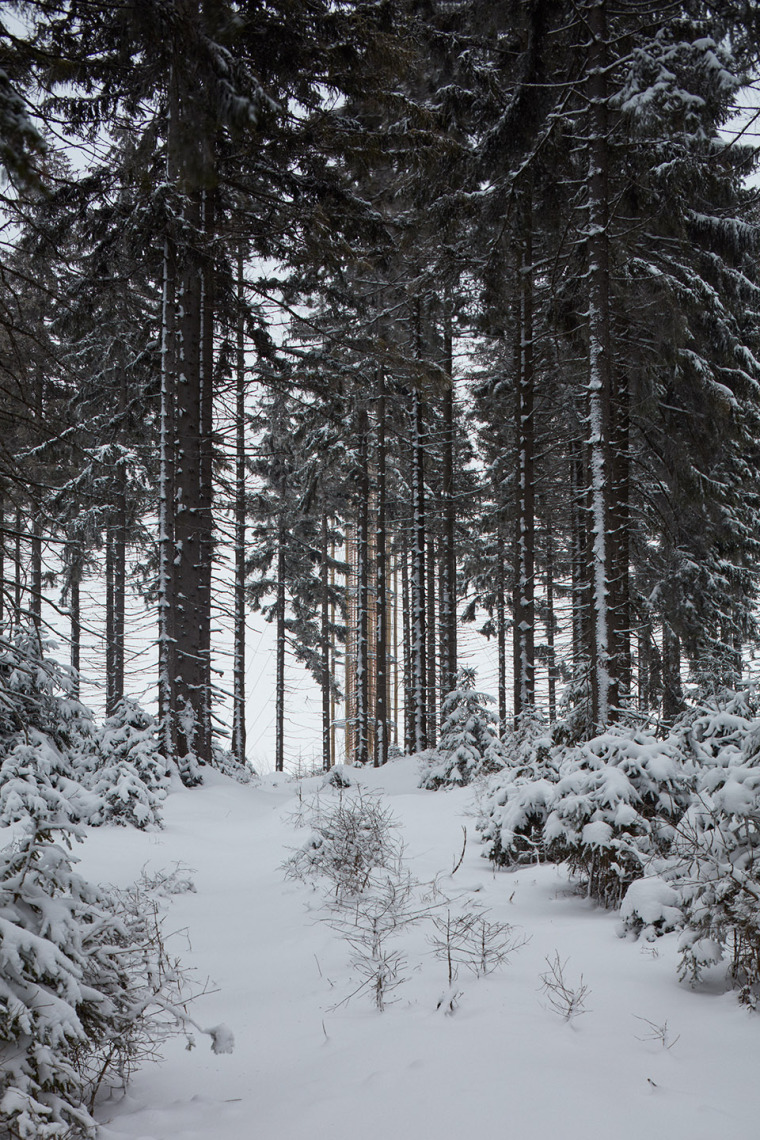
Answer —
470 940
562 997
351 836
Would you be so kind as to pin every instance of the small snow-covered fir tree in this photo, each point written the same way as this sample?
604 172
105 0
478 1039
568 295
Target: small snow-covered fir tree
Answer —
87 989
708 881
518 798
469 744
131 776
36 693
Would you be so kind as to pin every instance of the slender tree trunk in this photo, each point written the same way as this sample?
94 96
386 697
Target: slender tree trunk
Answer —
35 598
650 667
189 600
166 508
551 656
333 654
361 755
410 727
501 633
396 663
110 619
324 635
579 546
672 693
118 546
279 696
419 632
604 693
167 433
3 537
448 602
238 666
18 570
75 626
206 474
619 538
431 651
381 664
524 597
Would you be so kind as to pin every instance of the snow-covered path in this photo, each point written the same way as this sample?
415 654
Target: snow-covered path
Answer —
503 1065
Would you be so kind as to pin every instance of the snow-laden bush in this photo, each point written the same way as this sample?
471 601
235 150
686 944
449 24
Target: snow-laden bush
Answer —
604 806
223 760
651 907
616 803
517 799
87 989
711 870
469 744
37 779
130 775
36 693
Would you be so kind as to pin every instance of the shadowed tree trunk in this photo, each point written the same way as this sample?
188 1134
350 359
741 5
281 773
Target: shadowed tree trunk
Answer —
238 666
381 670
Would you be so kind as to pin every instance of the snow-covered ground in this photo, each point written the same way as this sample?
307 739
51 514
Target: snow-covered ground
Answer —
503 1065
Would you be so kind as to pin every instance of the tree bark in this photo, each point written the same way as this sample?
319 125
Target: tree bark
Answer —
604 692
419 631
430 649
551 655
279 684
448 600
361 736
410 727
324 635
189 598
166 497
381 652
525 540
501 633
238 667
672 693
206 472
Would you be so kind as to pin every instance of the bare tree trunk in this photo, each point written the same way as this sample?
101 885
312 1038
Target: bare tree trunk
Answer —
410 727
206 475
324 635
110 619
238 666
361 755
3 537
117 544
35 585
279 696
501 634
604 693
18 569
449 593
167 432
75 628
381 664
551 656
431 653
419 632
524 597
672 692
189 547
620 530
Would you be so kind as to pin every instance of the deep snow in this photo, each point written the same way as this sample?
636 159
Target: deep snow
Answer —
504 1065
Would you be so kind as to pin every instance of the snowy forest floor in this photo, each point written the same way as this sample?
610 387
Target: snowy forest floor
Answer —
502 1065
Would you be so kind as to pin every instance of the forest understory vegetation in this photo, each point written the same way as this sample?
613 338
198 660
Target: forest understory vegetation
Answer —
396 329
